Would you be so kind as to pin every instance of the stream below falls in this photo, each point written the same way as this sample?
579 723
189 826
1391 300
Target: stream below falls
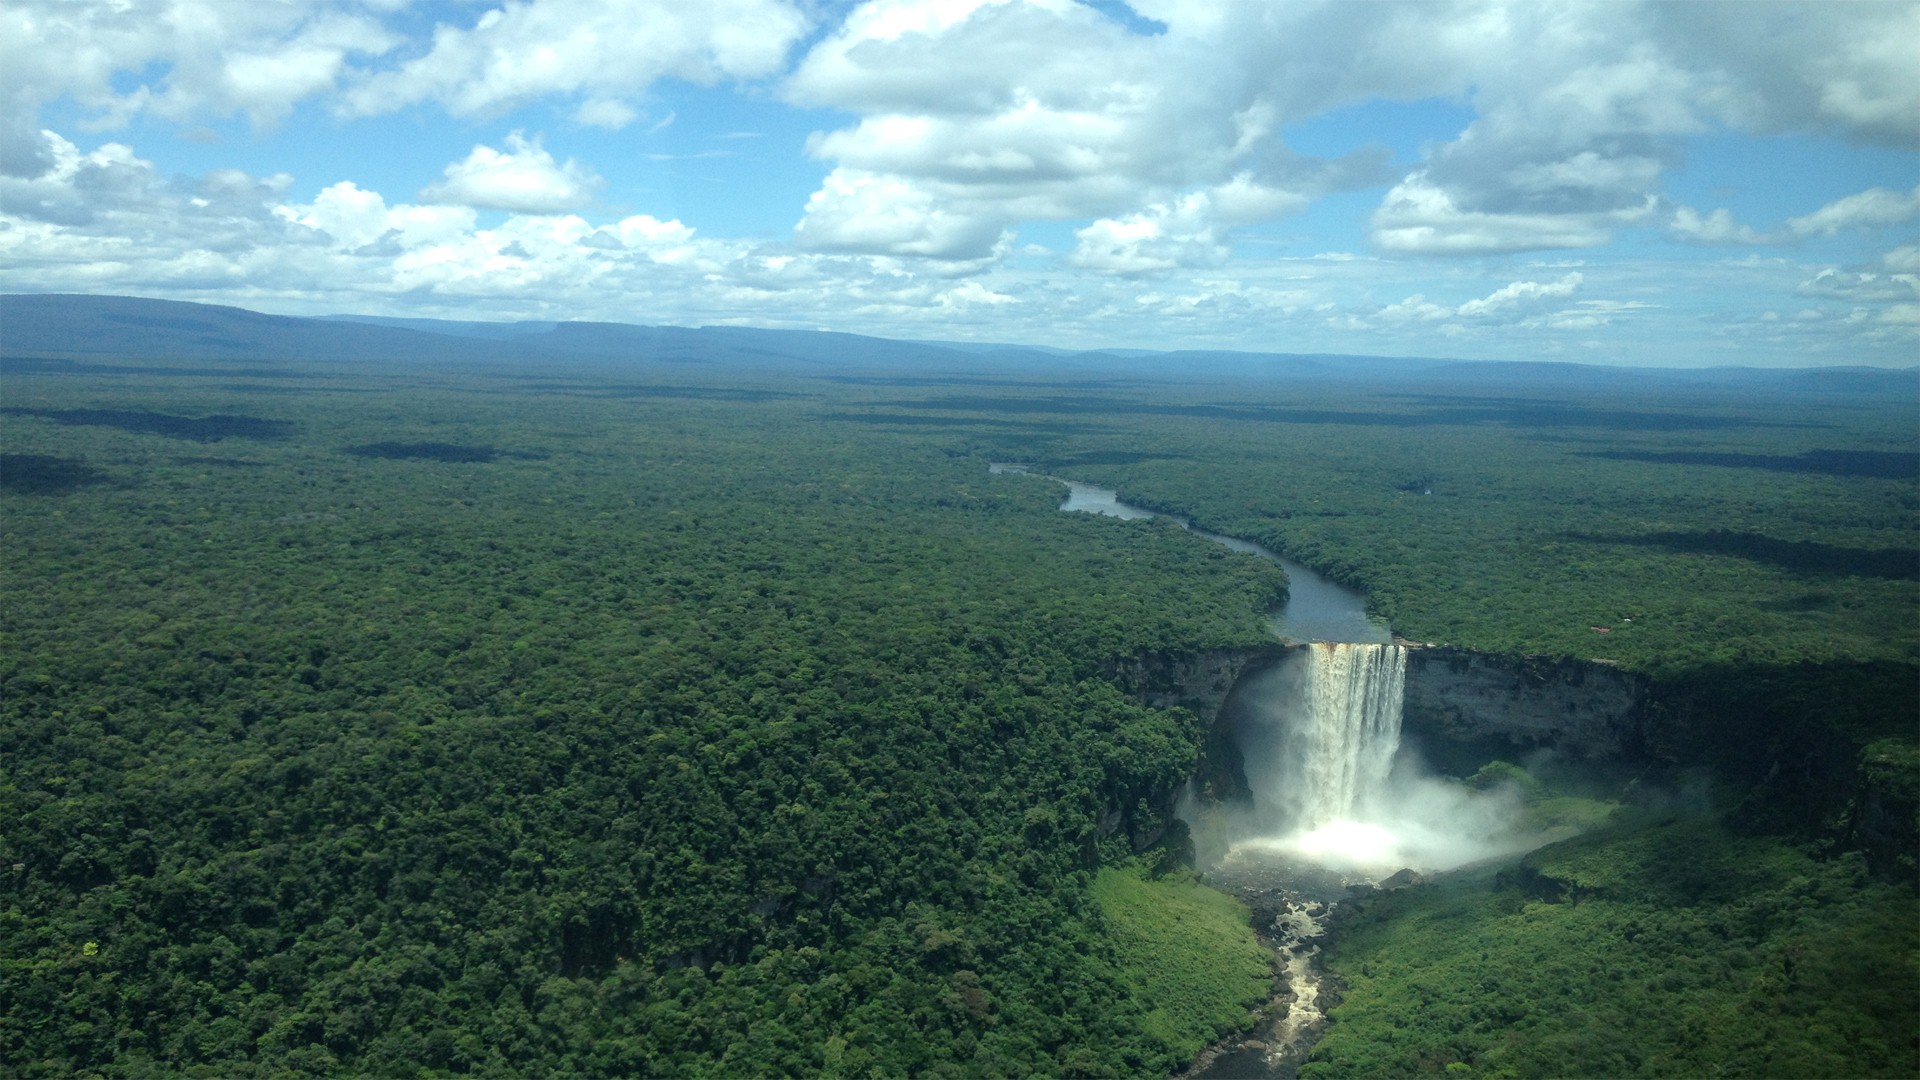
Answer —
1291 897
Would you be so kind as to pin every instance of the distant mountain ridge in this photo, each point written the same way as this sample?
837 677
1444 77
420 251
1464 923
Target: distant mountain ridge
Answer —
55 326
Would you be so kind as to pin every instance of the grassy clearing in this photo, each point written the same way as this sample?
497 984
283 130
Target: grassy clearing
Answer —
1188 953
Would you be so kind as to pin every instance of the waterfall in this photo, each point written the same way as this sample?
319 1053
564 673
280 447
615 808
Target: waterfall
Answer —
1343 729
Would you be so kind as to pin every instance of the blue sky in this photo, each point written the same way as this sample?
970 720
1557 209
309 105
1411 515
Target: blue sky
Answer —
1680 184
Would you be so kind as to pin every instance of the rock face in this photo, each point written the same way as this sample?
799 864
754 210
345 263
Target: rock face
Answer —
1198 681
1761 729
1585 710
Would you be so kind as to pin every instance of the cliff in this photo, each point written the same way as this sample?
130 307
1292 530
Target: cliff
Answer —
1585 710
1198 681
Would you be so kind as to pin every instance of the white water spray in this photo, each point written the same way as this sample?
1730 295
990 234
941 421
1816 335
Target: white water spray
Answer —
1343 734
1320 742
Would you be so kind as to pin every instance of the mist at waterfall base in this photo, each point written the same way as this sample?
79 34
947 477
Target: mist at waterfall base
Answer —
1331 786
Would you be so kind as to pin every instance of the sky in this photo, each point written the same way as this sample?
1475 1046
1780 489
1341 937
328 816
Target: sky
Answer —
1673 184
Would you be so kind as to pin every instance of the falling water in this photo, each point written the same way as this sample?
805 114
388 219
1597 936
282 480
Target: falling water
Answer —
1344 730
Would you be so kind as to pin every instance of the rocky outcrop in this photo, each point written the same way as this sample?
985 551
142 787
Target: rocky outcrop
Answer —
1198 681
1586 710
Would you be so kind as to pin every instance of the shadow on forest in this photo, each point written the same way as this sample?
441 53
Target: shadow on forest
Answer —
651 390
45 365
1801 556
334 388
39 474
221 462
202 429
972 380
1888 465
438 451
962 422
1519 414
1110 457
1796 731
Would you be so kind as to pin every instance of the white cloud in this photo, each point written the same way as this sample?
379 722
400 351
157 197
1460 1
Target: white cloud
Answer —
1583 108
1522 298
860 211
610 113
1902 260
1868 209
1534 302
1839 69
525 178
1874 208
1862 286
999 111
603 53
187 58
1419 217
1715 228
965 119
1415 308
1162 237
972 294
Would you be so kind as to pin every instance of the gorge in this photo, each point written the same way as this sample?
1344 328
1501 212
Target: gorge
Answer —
1313 807
1313 786
1307 733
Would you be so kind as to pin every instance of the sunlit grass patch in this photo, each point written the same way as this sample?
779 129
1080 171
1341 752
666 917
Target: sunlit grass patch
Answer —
1187 952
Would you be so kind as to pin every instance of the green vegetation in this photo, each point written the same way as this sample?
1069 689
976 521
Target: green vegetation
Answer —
676 737
1184 953
670 722
1668 948
1537 531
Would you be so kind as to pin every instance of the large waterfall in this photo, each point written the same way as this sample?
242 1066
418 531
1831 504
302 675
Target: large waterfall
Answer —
1342 730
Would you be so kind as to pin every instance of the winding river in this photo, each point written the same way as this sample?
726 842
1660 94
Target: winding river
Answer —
1289 919
1317 608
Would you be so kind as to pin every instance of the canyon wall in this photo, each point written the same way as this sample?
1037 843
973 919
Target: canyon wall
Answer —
1586 710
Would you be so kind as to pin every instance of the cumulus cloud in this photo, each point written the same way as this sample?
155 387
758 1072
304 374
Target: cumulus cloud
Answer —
1420 217
1902 260
192 57
598 53
860 211
1873 208
525 178
962 120
109 191
1163 237
1516 302
1716 228
1583 109
1837 69
1522 298
999 111
188 57
1415 308
1862 286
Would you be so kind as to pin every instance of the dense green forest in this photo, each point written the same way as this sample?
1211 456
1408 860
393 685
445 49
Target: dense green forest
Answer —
660 720
1664 947
599 729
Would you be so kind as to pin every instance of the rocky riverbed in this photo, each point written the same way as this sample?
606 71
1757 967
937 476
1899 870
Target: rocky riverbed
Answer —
1293 901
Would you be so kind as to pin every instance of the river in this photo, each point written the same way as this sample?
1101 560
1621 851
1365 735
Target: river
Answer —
1317 608
1290 900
